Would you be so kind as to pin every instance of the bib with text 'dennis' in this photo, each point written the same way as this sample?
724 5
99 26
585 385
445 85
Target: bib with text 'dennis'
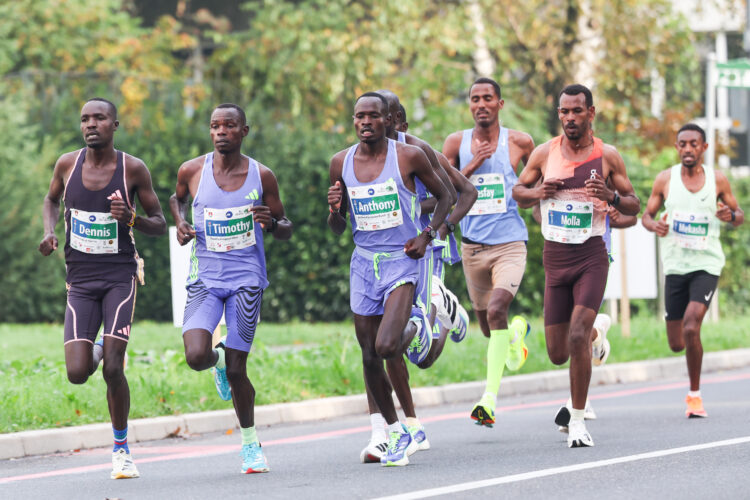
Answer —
566 221
376 206
229 228
93 232
490 194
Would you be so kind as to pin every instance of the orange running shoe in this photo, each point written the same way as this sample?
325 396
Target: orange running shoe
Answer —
694 407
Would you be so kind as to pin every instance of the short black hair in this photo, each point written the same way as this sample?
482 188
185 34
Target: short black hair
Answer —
383 100
693 126
403 111
111 105
484 79
230 105
576 89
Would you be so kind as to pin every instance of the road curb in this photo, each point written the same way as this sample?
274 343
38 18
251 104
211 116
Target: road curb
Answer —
40 442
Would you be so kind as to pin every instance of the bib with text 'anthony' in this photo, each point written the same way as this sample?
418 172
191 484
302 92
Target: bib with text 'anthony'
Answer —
490 194
229 228
566 221
690 230
93 232
376 206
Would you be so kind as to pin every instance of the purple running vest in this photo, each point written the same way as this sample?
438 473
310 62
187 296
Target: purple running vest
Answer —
220 218
383 198
80 206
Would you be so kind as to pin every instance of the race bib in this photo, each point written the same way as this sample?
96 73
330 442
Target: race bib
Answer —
491 194
93 232
566 221
690 230
229 228
376 206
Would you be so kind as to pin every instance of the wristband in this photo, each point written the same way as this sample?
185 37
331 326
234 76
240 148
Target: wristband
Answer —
733 216
616 200
272 227
132 220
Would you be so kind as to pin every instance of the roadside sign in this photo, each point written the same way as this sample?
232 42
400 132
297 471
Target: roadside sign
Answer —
735 73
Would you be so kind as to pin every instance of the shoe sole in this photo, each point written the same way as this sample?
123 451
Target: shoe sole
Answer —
397 463
697 415
563 417
255 471
578 443
122 475
369 458
482 416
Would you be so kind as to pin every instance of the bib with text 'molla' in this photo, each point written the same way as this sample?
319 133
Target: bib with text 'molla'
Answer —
690 230
376 206
490 194
566 221
93 232
229 228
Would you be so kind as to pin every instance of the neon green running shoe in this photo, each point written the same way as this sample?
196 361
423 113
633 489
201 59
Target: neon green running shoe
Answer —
484 411
518 351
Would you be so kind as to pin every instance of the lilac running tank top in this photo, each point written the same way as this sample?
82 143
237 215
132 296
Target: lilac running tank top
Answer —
228 247
383 212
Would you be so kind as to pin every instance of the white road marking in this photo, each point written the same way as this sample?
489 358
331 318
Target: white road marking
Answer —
473 485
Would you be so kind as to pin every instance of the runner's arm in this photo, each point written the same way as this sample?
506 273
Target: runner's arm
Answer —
337 201
467 194
51 205
623 197
729 210
432 157
654 204
528 191
271 214
178 202
154 224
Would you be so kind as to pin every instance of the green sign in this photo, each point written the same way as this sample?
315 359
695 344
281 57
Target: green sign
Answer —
735 73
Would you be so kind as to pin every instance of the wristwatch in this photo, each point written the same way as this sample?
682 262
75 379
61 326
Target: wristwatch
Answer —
430 232
451 226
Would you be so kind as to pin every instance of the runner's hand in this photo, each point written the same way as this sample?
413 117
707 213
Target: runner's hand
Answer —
548 188
597 188
660 226
119 209
262 215
335 196
483 150
185 233
724 213
48 244
613 213
416 247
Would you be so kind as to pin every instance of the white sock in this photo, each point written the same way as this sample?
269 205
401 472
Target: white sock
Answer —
412 422
576 414
378 428
395 427
694 394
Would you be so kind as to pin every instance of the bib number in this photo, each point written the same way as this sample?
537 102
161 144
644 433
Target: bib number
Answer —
566 221
376 206
93 232
690 230
229 229
491 194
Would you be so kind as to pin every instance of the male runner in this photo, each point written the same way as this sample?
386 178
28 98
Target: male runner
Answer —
493 234
235 200
454 317
690 249
98 185
374 180
575 169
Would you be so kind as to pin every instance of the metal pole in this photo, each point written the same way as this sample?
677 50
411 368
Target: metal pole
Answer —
710 109
624 295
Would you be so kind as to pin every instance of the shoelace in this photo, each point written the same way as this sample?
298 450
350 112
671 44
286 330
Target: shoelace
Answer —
393 440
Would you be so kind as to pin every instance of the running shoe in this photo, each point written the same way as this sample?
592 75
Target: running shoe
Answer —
253 459
420 344
518 352
98 352
220 376
484 411
123 466
564 415
419 437
458 333
397 452
695 407
578 436
373 452
600 347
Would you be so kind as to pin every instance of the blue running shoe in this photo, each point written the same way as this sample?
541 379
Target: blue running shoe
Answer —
459 332
420 345
419 437
253 459
220 377
396 453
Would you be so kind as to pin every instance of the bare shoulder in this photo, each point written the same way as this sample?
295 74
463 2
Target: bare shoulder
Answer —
409 151
338 158
520 139
542 150
66 161
134 163
190 167
610 153
453 139
662 179
416 141
722 181
266 174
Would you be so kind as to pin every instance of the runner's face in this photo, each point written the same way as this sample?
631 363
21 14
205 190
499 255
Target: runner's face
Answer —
97 124
369 121
575 117
227 130
690 147
484 104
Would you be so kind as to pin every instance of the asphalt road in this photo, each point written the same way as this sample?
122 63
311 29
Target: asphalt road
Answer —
644 447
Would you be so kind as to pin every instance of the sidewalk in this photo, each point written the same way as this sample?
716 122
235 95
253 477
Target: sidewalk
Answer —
21 444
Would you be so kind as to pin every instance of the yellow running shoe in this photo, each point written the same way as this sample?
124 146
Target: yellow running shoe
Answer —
484 411
518 351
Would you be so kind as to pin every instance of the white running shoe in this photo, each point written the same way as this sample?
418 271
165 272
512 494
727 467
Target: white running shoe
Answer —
373 452
578 436
562 419
123 466
600 347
